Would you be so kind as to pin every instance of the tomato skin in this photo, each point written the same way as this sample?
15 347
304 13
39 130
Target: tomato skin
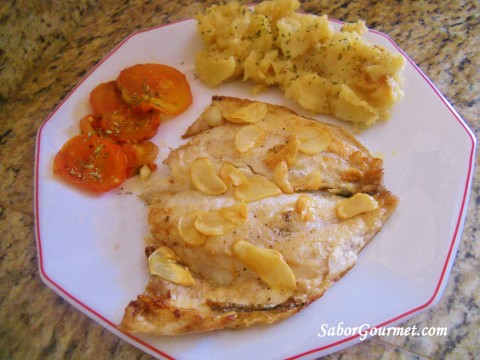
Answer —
144 153
91 163
155 86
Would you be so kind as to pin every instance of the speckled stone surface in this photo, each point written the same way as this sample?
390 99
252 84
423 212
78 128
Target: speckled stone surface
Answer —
46 47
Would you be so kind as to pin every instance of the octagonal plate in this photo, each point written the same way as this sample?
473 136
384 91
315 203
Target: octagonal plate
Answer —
91 248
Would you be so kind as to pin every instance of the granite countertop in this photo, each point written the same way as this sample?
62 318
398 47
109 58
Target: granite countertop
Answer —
45 50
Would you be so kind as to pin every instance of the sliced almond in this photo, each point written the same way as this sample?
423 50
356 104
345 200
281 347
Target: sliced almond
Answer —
357 204
280 175
249 137
232 176
267 263
204 179
188 232
305 207
312 181
313 139
168 268
248 114
287 153
258 188
213 223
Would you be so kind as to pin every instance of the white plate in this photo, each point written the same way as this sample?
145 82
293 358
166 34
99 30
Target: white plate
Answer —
91 248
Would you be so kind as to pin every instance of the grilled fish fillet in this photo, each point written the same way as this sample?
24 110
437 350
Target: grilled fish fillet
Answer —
346 165
318 249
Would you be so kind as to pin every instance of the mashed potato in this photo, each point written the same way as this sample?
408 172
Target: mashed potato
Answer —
326 72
